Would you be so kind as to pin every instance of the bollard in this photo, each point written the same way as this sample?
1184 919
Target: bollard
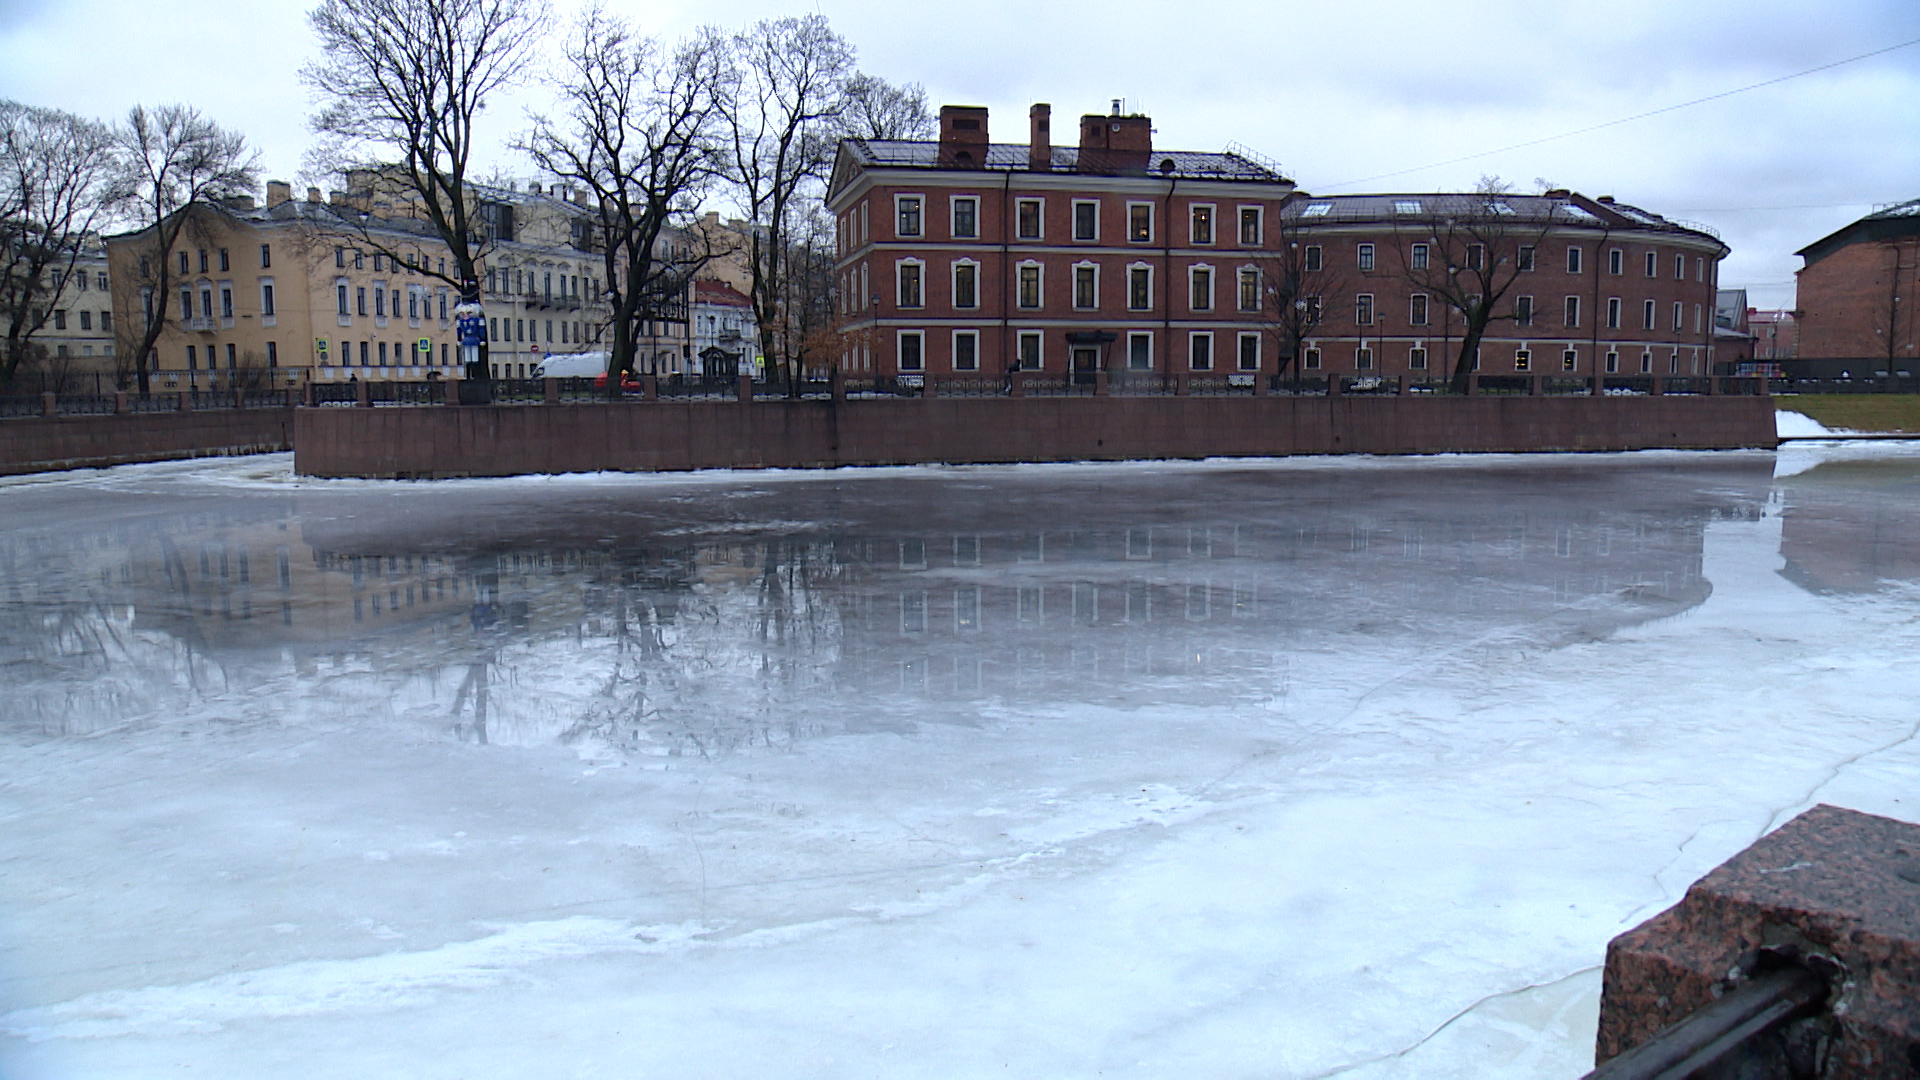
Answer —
1533 386
550 391
1333 386
927 388
1262 384
186 401
121 403
1656 388
744 389
1100 382
49 404
1016 383
650 387
362 396
1473 385
450 392
1400 385
839 386
1180 384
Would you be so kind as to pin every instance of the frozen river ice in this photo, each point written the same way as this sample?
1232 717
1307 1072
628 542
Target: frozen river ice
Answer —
1299 768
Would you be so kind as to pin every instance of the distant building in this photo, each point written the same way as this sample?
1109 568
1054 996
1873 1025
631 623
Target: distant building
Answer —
1857 306
78 336
724 331
963 255
1775 335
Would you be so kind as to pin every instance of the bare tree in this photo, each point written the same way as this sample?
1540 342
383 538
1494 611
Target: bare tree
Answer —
175 158
401 83
784 104
877 109
1467 251
1297 287
60 177
641 131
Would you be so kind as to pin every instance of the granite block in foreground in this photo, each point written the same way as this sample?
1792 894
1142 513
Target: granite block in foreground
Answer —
1831 885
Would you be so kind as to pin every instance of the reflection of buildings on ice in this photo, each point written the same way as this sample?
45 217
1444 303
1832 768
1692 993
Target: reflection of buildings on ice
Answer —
1851 526
757 624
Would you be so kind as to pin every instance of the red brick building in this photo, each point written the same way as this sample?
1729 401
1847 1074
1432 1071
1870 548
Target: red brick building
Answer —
964 256
1855 302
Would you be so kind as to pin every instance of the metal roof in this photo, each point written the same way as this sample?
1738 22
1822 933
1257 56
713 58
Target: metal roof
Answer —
1012 157
1559 210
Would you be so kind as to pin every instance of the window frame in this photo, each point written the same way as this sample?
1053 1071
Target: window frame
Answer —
1196 339
954 203
1570 312
1364 312
1653 264
1616 262
1196 214
1364 257
1132 209
1077 205
1039 285
1259 220
919 204
1088 271
1524 310
1575 260
900 338
1038 361
953 282
1418 257
953 358
1418 309
1240 351
1136 271
900 268
1197 272
1241 277
1039 206
1140 335
1313 259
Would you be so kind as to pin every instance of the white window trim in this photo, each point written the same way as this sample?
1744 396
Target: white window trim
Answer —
1212 285
953 206
898 199
899 351
1213 216
1085 264
866 217
1616 309
1213 358
1151 223
1366 257
953 358
1413 298
1419 257
1075 221
1373 309
953 283
1239 344
1039 354
898 279
1258 284
1132 267
1040 290
1576 259
1653 264
1426 358
1259 224
268 318
1313 259
1132 336
1617 256
1040 219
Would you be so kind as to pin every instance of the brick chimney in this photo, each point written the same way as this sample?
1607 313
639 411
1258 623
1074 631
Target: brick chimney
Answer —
1115 144
278 191
1040 137
313 195
963 136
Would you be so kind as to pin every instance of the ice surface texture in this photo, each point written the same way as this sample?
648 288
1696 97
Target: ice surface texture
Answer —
1303 768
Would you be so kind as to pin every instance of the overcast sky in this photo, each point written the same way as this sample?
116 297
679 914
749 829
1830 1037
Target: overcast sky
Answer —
1339 94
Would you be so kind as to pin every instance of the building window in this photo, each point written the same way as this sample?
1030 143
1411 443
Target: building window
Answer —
907 215
1086 220
1523 310
1139 288
224 267
1249 352
1653 264
1363 309
912 351
1616 261
1140 352
909 281
1613 313
1029 290
1522 360
1366 257
1312 360
1086 287
86 320
1249 291
273 354
1646 363
1526 257
59 319
339 259
233 360
1417 310
193 360
266 256
1250 226
1417 358
1648 318
1679 268
360 261
1200 350
1311 259
1573 311
1417 258
1200 280
1140 223
1476 256
1202 229
1573 260
106 323
1363 359
1700 268
1029 346
1569 360
966 285
379 300
966 218
266 298
1028 219
1613 362
340 291
1697 327
966 350
1677 323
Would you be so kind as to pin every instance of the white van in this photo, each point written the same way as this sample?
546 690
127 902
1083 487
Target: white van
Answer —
584 365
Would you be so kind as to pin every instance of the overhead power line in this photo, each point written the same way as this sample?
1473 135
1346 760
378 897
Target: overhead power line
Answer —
1631 119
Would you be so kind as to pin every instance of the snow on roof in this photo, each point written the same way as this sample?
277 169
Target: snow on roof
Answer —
1008 157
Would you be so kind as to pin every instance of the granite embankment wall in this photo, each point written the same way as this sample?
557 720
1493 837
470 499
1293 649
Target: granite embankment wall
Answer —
51 443
446 441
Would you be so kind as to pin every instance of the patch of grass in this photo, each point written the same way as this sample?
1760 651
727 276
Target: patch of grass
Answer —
1858 412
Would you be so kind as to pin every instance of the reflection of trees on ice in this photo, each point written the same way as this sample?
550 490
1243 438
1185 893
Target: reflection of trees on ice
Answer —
697 664
82 669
